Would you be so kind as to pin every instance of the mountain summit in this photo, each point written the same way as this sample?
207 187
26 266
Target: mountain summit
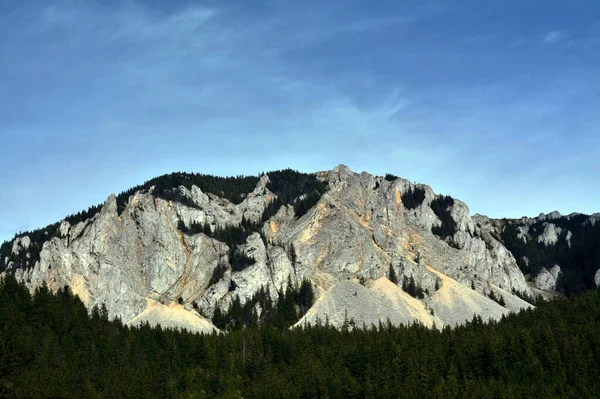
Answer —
192 251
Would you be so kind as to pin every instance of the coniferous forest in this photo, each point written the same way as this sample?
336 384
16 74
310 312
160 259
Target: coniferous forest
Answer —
51 347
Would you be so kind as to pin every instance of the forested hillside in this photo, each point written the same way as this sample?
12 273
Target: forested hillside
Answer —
576 250
50 347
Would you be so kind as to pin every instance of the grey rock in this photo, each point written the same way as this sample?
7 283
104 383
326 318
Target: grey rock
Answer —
555 272
422 277
21 244
568 238
545 280
597 278
554 215
522 233
542 216
64 228
550 234
456 304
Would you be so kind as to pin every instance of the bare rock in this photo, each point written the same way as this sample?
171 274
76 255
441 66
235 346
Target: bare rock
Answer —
545 280
173 316
550 234
555 272
21 244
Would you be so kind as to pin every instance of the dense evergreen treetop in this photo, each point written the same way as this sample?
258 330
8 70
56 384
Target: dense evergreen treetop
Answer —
51 347
441 207
413 198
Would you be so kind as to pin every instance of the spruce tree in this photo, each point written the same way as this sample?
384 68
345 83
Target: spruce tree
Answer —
392 275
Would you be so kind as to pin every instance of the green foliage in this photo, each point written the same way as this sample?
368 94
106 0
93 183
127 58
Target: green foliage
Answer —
293 255
413 198
392 275
410 287
499 300
292 303
51 347
232 188
441 207
217 274
524 296
239 260
289 185
390 177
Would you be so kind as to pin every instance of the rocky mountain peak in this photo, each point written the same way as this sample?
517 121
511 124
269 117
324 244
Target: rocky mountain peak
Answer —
185 253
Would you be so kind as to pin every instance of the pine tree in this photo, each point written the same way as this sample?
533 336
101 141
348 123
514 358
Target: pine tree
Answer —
393 277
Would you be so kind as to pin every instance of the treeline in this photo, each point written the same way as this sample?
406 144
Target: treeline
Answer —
50 347
413 198
578 260
289 185
291 304
233 188
441 206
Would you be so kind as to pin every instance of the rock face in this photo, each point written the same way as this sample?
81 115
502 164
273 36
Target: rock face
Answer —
545 280
550 234
571 243
143 267
597 278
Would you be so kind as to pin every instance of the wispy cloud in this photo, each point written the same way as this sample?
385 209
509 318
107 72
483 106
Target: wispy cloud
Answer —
555 37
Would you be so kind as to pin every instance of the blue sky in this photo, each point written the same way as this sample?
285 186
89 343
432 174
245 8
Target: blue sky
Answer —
496 103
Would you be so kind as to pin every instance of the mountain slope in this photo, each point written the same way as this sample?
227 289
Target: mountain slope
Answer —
558 253
202 251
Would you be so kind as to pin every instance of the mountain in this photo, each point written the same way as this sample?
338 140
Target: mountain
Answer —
557 253
195 251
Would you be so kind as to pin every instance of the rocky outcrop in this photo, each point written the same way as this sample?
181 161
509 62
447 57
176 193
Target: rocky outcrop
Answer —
550 234
546 280
571 243
21 244
142 266
597 278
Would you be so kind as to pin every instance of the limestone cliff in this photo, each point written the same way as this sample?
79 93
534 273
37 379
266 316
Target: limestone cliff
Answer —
145 265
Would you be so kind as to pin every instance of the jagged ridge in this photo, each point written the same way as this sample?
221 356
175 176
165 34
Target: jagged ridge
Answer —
326 228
